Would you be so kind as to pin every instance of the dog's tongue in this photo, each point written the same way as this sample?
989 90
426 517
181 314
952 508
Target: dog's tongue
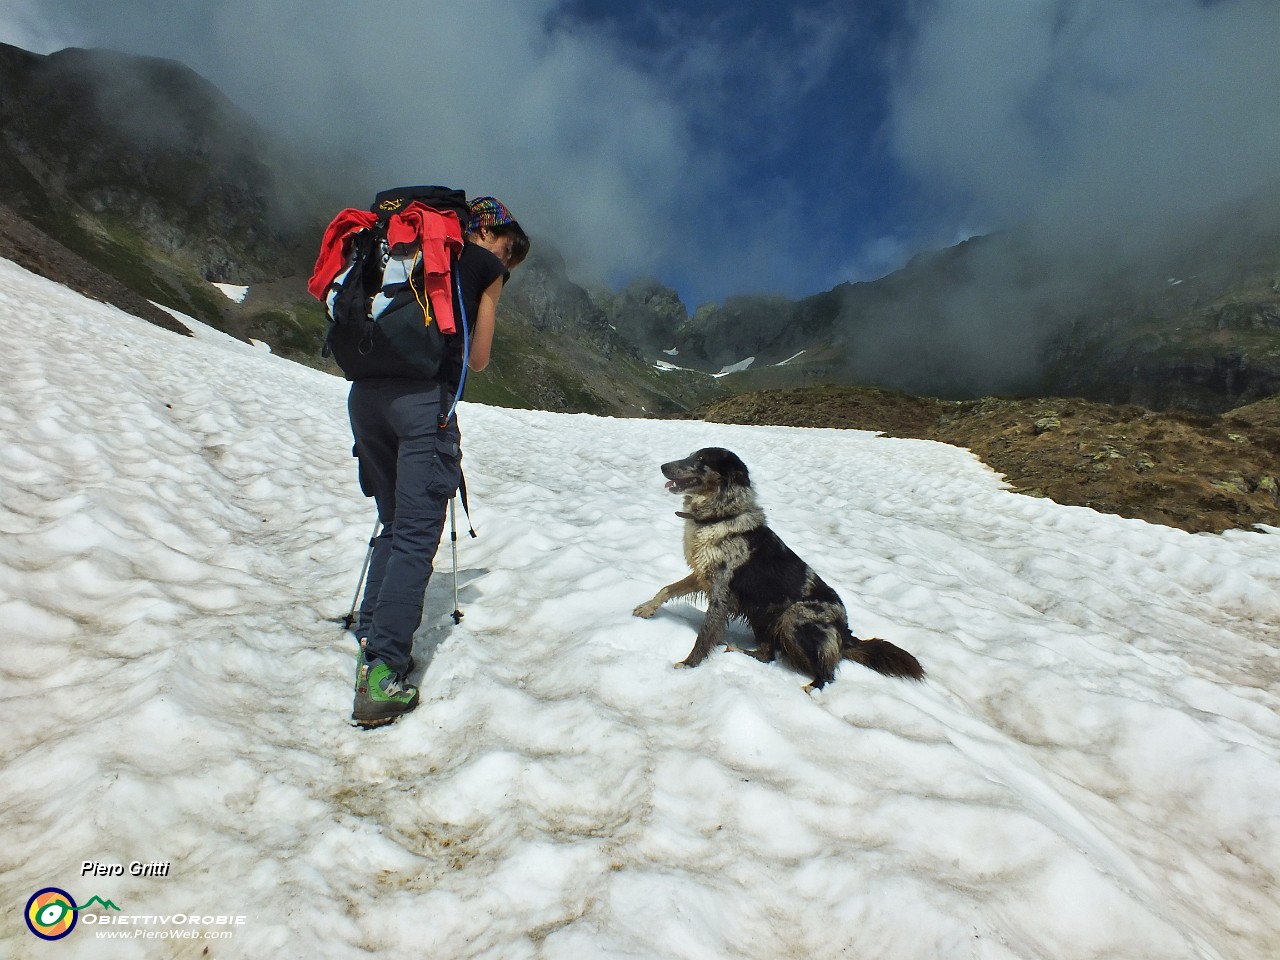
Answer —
672 487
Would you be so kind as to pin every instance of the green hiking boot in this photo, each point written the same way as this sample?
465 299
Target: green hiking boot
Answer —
381 696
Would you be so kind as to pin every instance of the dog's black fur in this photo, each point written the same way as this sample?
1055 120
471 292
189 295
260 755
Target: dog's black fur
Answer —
746 571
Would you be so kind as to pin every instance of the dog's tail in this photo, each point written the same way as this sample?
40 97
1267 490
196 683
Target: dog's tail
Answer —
882 657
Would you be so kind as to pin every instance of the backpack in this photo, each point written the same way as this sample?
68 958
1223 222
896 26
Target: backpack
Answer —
388 281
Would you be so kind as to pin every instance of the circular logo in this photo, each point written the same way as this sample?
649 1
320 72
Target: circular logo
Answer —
51 913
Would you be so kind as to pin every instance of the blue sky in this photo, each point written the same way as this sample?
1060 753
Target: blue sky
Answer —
744 147
792 101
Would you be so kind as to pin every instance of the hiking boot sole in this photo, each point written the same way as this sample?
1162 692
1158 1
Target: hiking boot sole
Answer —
389 714
370 722
373 724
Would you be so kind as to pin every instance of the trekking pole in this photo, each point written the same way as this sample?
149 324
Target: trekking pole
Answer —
350 618
453 537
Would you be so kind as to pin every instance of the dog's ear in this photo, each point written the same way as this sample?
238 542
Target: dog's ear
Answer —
731 467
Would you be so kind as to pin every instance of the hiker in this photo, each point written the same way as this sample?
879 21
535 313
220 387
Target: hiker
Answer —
409 457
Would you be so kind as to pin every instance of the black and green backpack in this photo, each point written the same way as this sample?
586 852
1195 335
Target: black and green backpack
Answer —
393 303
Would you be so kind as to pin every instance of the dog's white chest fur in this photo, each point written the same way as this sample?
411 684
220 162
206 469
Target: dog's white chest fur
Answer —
719 543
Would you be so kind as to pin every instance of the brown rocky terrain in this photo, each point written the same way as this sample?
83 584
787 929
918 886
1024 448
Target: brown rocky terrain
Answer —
1203 474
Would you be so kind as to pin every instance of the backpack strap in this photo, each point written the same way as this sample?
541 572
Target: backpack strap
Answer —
446 413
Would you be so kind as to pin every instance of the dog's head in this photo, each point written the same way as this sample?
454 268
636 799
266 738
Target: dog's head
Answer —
706 472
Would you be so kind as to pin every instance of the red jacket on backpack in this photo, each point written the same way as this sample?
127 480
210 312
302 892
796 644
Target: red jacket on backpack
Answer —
438 235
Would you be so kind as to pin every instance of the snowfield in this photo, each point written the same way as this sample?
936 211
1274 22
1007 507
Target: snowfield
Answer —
1091 769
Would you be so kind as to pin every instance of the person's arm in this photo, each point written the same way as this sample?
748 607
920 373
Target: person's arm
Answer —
482 329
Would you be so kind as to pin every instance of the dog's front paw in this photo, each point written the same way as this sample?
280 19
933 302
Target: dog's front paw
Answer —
682 665
646 610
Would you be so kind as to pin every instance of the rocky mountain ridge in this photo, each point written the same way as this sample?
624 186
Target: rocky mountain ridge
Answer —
151 177
1191 321
102 147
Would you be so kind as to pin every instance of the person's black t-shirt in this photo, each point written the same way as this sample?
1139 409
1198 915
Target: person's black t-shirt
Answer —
477 269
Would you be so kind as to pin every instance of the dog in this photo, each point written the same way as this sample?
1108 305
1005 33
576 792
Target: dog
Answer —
746 572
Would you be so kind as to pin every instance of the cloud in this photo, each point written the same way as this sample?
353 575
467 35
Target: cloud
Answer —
491 96
1093 139
1090 114
634 140
751 146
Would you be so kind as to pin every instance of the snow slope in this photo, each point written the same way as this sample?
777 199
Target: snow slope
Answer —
1090 770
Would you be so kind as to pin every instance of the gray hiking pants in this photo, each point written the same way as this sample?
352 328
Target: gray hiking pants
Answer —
411 468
